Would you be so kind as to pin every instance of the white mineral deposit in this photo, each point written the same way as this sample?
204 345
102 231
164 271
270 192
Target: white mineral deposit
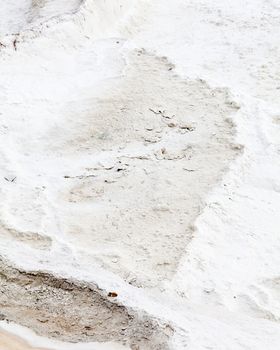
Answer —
139 175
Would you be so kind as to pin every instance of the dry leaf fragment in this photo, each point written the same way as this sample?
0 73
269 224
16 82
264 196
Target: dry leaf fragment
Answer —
112 294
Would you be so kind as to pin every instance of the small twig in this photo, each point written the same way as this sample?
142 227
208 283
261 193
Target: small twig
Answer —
167 116
12 180
189 170
109 181
159 112
140 157
15 42
162 113
78 176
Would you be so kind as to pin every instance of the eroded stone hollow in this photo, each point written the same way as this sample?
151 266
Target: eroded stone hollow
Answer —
74 311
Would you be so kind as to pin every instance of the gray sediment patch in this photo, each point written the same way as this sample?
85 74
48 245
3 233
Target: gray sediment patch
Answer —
171 140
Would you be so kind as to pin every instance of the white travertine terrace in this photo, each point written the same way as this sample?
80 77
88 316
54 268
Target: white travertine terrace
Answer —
140 156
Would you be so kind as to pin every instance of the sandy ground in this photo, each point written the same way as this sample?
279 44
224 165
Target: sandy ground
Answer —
10 342
140 156
14 337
